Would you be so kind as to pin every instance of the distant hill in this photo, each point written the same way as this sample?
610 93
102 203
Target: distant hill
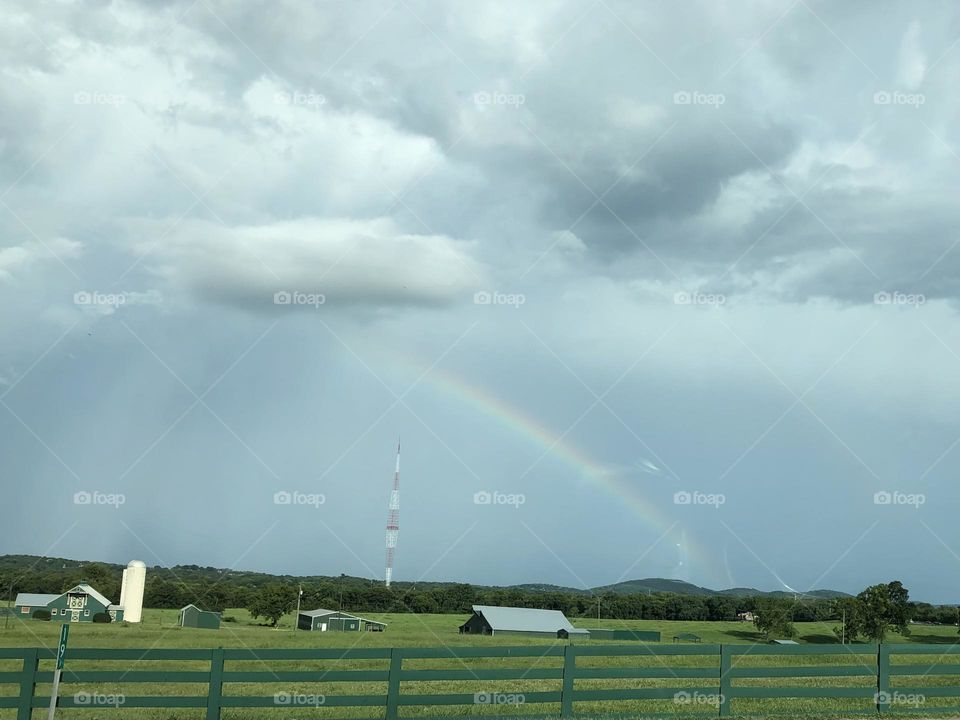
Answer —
26 564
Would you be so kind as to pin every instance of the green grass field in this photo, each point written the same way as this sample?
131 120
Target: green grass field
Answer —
159 630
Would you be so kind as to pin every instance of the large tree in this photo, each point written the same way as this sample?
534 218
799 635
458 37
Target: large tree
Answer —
883 607
272 602
774 619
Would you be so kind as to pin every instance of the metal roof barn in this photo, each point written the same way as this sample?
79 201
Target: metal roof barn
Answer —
493 620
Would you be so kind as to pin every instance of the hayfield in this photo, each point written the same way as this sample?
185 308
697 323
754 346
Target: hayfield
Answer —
406 630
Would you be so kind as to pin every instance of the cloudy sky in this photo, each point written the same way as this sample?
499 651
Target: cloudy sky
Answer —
647 289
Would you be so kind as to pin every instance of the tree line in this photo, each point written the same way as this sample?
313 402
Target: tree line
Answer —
870 614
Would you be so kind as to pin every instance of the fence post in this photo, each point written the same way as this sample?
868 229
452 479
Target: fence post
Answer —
216 684
393 684
28 683
883 678
725 664
569 673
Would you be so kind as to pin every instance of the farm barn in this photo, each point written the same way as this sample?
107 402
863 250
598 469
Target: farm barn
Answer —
193 617
78 604
493 620
335 620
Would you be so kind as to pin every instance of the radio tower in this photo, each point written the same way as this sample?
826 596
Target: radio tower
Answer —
393 518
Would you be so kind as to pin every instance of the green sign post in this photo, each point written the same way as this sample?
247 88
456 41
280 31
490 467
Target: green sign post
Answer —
61 651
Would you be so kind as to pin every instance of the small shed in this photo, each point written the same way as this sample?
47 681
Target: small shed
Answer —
784 642
686 637
193 617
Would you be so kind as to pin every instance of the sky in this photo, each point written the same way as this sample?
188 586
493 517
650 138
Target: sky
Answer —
644 289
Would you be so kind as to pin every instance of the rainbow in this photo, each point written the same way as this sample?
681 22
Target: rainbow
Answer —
560 448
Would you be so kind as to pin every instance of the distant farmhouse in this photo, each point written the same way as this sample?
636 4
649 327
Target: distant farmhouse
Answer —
746 616
494 620
193 617
80 603
334 620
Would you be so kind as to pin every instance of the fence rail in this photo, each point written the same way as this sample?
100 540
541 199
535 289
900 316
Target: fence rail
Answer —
729 674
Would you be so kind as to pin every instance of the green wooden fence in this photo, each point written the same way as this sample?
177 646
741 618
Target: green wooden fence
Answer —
726 676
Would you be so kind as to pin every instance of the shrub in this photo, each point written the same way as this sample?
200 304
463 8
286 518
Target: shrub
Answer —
102 617
41 615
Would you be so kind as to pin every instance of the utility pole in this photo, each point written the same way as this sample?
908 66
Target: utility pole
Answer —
341 591
598 608
843 629
296 620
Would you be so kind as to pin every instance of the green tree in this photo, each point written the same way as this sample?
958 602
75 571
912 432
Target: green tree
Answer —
272 602
883 607
774 619
849 611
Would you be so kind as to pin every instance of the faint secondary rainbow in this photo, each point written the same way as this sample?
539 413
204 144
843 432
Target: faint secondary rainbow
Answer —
553 446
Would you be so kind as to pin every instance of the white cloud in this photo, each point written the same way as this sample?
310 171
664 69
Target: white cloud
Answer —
369 263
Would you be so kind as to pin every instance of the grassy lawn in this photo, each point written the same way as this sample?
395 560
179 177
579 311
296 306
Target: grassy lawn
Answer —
159 630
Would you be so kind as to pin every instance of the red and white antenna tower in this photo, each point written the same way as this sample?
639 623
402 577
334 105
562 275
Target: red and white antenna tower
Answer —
393 519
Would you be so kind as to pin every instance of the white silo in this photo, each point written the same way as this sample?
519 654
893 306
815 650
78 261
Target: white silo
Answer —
131 590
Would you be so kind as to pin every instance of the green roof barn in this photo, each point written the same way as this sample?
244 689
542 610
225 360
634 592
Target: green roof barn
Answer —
193 617
326 620
81 603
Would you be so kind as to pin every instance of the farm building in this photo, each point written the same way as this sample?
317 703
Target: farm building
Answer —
493 620
193 617
746 616
335 620
80 603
